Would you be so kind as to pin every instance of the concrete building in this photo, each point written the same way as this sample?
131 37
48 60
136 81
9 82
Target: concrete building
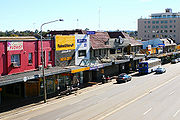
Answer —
160 25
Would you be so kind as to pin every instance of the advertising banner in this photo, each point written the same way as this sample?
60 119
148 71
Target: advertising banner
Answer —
14 46
65 42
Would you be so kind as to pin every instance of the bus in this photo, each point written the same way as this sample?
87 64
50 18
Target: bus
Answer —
149 66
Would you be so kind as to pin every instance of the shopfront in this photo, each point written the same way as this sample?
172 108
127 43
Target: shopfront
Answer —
51 86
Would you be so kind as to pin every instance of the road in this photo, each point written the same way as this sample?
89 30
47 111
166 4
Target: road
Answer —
147 97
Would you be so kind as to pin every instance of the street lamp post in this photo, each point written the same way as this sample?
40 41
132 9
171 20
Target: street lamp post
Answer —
42 58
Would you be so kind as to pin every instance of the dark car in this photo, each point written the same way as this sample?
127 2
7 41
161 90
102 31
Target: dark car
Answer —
160 70
173 61
123 78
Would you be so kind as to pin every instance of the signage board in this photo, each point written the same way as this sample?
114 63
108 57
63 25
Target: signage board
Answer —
65 42
14 46
79 70
81 40
161 45
90 32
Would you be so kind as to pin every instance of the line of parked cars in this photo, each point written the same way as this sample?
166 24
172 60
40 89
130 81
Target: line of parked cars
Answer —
123 77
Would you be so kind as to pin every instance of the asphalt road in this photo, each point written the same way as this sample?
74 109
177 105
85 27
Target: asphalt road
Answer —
147 97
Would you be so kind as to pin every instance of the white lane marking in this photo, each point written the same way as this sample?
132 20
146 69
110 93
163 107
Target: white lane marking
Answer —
176 113
141 96
172 93
147 111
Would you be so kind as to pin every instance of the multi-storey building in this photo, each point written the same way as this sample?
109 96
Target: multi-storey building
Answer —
160 25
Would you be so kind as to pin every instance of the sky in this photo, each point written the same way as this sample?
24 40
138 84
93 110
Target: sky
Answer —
22 15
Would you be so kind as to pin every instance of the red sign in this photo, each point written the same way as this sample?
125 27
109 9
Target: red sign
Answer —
14 46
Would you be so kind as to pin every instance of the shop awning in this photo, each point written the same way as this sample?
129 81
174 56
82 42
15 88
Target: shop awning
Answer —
76 69
25 76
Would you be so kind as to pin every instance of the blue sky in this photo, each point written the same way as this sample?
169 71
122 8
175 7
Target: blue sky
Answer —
114 14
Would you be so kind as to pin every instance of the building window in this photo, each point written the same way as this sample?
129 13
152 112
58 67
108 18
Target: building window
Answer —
157 26
174 26
149 22
157 22
49 56
153 22
15 59
145 22
30 58
170 26
82 53
170 21
149 26
165 21
153 36
162 22
174 21
174 30
153 26
144 26
165 31
170 30
145 31
165 26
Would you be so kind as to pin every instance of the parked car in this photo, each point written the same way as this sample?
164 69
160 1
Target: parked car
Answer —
173 61
160 70
123 77
178 59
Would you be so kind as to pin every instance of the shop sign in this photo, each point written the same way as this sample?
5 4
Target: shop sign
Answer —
14 46
56 82
79 70
81 40
94 68
65 42
90 32
102 71
65 58
66 74
0 89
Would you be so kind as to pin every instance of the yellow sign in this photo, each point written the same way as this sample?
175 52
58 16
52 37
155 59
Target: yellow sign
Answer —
79 70
65 58
178 47
65 42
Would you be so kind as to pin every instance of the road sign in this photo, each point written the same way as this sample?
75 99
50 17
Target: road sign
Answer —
90 32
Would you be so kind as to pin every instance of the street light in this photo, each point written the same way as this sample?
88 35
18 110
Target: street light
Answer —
42 58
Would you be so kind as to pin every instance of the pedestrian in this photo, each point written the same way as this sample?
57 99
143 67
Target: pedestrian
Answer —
103 79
